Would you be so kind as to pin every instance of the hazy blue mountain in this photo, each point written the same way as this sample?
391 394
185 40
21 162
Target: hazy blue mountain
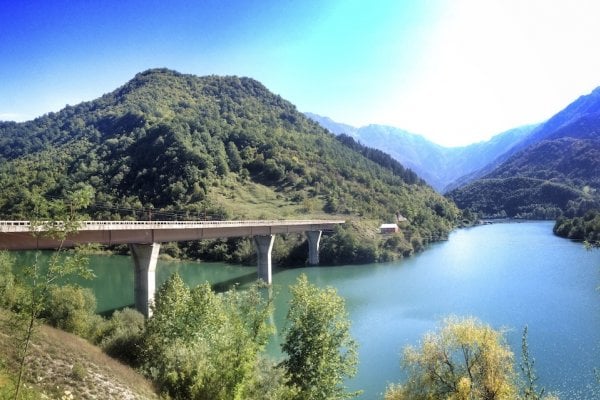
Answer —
556 169
487 155
440 166
332 126
578 120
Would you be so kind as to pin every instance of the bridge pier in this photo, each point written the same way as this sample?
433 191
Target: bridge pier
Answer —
264 246
145 257
314 238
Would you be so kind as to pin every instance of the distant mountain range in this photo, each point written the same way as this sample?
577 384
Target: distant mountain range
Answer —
440 166
554 170
191 144
539 171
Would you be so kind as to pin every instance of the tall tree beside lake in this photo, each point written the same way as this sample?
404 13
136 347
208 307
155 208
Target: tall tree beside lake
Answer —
321 353
465 360
201 345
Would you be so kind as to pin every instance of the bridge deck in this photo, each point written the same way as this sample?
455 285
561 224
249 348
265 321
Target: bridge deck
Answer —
17 235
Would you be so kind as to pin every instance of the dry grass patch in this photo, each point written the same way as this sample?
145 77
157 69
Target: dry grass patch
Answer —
255 201
63 365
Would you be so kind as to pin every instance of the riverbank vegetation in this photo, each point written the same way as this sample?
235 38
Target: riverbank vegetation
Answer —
65 366
586 228
201 344
525 198
39 361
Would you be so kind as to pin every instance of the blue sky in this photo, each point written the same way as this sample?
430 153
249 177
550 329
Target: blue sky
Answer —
455 71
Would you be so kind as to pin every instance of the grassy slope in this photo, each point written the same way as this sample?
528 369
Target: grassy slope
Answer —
62 363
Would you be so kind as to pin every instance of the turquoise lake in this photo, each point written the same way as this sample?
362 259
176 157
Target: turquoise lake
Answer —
506 274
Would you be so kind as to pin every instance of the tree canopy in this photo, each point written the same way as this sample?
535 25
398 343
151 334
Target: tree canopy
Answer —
202 345
586 228
321 353
466 359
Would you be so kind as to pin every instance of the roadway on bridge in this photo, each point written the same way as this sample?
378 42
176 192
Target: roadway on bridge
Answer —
21 235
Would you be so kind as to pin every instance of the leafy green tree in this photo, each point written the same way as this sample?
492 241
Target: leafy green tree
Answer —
221 160
321 353
201 345
122 337
270 383
235 160
72 309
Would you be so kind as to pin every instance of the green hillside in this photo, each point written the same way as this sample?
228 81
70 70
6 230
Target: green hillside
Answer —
547 180
185 147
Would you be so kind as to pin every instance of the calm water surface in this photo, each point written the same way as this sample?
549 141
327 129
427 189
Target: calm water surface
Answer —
508 275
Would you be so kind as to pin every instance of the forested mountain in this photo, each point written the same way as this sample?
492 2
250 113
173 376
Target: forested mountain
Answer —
557 172
180 144
440 166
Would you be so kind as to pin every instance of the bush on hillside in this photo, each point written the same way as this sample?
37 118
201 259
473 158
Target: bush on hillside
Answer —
73 309
123 335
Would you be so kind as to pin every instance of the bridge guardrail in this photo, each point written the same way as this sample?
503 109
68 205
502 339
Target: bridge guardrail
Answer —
98 225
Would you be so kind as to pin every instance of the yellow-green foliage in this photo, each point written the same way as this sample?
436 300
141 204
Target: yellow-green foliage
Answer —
465 359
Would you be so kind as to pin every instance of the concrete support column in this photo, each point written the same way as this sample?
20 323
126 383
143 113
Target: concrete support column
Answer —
145 257
314 238
264 245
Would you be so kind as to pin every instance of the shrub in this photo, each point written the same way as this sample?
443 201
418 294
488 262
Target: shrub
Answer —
71 309
78 371
122 336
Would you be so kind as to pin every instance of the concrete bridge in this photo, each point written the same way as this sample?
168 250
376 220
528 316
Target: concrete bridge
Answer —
144 239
